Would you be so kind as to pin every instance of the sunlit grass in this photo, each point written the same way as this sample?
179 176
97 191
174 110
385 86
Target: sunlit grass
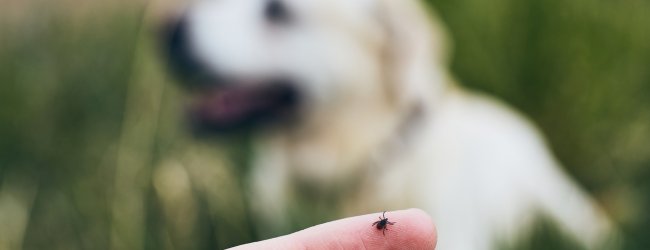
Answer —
93 154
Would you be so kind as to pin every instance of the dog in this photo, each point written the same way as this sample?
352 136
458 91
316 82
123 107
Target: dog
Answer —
351 104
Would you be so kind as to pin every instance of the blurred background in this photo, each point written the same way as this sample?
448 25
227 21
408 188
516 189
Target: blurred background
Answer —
94 154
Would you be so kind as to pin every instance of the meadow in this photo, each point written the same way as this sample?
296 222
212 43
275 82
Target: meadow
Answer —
94 153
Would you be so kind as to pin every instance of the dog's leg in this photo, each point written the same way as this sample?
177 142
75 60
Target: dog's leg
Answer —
571 208
268 180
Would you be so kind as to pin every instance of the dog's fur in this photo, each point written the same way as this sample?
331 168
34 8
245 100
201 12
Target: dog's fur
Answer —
382 125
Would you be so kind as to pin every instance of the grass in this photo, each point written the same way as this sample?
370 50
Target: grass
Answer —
93 156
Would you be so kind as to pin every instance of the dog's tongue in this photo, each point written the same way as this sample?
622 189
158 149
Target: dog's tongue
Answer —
235 106
225 106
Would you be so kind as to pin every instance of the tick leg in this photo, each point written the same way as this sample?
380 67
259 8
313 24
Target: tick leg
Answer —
391 223
375 223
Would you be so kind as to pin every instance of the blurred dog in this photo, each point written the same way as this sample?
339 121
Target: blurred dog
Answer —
352 99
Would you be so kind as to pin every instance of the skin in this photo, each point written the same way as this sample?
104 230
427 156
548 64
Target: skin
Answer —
415 230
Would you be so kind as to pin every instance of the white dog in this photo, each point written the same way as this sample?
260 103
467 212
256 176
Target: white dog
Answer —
351 102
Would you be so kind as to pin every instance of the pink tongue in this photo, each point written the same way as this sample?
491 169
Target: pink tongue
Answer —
226 105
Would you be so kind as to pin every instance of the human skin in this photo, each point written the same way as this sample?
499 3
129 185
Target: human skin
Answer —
413 229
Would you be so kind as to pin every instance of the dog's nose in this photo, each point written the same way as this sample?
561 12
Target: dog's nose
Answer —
178 49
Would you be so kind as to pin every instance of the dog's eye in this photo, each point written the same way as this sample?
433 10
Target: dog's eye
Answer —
276 12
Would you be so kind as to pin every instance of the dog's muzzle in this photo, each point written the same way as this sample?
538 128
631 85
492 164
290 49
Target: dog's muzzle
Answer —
227 104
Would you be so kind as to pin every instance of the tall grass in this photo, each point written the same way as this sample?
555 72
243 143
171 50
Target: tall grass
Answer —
93 154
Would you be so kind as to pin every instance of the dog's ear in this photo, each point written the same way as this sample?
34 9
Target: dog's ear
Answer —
416 51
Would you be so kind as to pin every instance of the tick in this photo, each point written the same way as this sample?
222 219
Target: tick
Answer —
383 223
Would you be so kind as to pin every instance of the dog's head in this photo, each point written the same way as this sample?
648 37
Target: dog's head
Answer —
255 62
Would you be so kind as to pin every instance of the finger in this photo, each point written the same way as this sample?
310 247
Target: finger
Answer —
415 230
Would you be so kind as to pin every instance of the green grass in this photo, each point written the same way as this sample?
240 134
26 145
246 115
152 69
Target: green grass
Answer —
90 128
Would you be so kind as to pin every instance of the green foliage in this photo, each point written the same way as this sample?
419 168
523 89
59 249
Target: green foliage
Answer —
77 86
62 86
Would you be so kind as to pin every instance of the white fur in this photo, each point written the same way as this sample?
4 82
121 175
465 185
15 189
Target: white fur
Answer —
482 171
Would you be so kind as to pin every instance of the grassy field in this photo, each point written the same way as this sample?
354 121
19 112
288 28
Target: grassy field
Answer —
93 154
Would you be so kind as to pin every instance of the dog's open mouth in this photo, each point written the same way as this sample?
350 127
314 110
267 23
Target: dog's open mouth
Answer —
223 104
232 107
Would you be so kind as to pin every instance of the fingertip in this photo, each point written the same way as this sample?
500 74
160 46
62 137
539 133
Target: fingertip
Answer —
413 229
424 230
